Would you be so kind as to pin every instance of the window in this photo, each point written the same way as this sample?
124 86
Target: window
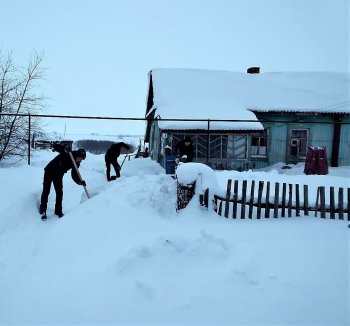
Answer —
298 143
220 146
216 146
259 145
237 147
200 146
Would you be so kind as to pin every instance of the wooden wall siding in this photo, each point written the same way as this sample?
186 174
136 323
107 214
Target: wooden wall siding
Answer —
155 141
263 199
344 151
320 134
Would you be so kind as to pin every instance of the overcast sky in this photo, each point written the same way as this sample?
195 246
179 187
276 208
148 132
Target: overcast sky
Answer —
98 53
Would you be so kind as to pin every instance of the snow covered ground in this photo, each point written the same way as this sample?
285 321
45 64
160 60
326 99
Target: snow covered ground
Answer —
126 257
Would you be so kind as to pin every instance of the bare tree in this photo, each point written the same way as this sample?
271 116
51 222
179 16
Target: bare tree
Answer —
17 96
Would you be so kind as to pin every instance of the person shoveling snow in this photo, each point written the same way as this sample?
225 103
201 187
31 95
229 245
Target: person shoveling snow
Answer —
54 172
111 158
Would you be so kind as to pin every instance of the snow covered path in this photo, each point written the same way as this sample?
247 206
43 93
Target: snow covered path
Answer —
125 257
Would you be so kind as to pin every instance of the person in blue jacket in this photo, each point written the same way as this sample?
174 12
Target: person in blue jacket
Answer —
54 172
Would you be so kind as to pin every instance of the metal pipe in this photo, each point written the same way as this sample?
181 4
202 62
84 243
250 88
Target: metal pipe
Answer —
208 141
163 119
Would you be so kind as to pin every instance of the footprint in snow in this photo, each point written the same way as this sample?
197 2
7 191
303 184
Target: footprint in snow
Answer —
144 289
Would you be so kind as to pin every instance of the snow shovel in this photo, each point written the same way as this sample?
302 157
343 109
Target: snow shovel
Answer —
79 175
124 160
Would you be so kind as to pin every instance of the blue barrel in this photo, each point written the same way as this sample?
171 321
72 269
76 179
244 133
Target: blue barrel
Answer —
170 164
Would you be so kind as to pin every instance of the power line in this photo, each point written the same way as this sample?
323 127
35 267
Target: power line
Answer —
165 119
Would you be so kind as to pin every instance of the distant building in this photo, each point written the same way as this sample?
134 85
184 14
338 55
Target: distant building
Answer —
46 143
287 112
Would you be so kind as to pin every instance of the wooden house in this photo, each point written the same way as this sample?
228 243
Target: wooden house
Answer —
248 120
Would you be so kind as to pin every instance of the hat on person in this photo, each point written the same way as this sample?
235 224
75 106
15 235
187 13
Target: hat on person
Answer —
81 153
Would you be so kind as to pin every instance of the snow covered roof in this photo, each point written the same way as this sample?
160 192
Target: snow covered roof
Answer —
223 95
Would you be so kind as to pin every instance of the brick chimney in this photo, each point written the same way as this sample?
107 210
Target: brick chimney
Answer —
253 70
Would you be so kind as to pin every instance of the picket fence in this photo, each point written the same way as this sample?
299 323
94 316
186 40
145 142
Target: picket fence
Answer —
239 203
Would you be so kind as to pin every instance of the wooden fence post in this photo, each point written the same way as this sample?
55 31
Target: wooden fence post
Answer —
284 192
332 203
290 197
206 198
216 204
235 198
228 196
220 208
317 199
251 199
341 203
244 198
323 202
260 191
297 200
267 200
306 200
276 202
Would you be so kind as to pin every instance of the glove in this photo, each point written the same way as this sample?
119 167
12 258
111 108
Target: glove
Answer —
83 183
67 148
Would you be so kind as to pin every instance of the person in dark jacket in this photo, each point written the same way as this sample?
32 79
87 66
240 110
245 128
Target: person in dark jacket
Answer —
111 158
54 172
185 147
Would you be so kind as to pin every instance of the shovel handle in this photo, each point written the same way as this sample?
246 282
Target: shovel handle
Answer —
79 175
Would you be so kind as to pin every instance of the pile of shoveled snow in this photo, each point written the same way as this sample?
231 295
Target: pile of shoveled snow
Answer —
126 257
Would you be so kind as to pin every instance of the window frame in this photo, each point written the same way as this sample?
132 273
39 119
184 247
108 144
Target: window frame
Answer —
265 136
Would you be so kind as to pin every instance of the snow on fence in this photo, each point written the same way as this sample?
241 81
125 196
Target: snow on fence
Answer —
288 200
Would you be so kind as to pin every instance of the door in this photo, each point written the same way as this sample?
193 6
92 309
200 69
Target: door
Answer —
298 143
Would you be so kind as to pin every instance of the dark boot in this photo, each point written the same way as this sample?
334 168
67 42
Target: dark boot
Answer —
59 214
43 216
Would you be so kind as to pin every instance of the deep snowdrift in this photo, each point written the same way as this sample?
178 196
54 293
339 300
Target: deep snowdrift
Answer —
126 257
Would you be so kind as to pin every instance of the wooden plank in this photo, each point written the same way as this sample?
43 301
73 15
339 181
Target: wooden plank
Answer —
332 203
251 200
260 191
306 200
244 198
206 198
216 204
341 203
220 208
297 200
228 196
317 200
267 200
276 201
323 202
284 192
235 198
290 198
